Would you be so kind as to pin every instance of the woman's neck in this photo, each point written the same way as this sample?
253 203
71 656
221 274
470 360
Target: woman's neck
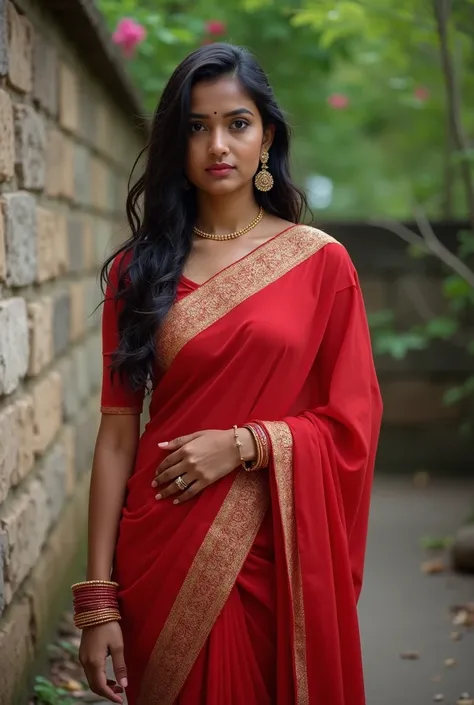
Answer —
225 214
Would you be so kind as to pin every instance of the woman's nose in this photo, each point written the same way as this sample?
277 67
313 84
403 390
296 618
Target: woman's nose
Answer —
218 147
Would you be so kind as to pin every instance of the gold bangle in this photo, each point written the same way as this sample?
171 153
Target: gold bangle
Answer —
89 619
94 582
239 448
97 622
95 613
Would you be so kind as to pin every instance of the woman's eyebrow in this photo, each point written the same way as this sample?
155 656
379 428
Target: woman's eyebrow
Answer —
231 113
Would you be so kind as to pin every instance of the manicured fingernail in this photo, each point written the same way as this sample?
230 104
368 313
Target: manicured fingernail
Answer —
176 501
154 483
158 496
124 683
163 445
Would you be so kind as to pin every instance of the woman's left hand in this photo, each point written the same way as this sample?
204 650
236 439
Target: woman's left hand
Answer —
199 459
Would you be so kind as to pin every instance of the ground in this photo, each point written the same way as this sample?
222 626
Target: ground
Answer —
413 653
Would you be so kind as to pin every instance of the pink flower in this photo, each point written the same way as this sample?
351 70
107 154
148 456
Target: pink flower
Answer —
216 28
128 35
338 101
422 93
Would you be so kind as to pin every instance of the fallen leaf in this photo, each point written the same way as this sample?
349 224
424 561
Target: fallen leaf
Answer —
433 567
456 636
72 685
437 679
449 662
410 655
438 698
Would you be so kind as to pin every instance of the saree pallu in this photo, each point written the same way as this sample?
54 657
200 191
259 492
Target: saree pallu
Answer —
247 595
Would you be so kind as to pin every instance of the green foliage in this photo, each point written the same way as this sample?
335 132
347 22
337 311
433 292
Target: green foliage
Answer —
384 150
49 694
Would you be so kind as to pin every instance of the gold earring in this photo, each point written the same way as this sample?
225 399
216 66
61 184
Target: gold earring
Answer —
264 180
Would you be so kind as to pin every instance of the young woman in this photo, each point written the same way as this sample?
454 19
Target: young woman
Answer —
234 528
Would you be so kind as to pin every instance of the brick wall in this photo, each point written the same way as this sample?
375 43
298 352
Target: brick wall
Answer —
65 152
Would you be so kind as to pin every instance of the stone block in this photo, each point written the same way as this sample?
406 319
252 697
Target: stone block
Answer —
88 245
9 445
68 99
3 38
26 456
52 573
87 109
3 255
77 292
99 173
61 321
20 238
25 521
48 265
52 476
70 397
14 344
75 228
69 440
93 299
30 147
82 175
415 401
45 75
54 163
20 50
102 240
16 649
67 169
40 320
3 558
75 381
7 137
86 427
94 360
62 250
47 405
104 120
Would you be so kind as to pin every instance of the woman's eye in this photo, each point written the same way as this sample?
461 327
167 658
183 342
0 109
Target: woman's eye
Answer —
240 124
196 127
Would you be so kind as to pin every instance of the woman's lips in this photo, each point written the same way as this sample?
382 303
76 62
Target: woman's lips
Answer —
223 170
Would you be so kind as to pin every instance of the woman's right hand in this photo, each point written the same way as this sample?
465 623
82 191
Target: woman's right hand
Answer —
96 643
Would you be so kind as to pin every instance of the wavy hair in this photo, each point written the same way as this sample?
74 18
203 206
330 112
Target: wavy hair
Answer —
161 208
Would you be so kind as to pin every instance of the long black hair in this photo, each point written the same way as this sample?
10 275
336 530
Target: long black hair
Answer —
161 207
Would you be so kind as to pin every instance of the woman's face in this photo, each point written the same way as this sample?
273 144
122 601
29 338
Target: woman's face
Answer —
226 137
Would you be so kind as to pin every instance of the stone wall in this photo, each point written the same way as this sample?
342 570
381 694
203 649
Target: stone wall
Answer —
66 148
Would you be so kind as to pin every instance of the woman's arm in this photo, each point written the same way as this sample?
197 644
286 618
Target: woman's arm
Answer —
114 457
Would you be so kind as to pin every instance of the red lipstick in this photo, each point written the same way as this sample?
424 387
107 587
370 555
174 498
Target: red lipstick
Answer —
220 169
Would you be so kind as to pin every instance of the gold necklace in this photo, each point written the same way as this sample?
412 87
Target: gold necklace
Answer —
232 236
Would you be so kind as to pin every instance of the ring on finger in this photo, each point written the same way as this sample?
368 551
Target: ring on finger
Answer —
182 485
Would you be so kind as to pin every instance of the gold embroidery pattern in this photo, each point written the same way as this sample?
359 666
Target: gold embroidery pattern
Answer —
205 590
282 447
120 410
209 302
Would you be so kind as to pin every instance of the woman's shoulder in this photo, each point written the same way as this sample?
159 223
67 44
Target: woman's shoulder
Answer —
335 262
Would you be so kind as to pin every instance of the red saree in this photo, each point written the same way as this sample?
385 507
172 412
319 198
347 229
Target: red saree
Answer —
247 595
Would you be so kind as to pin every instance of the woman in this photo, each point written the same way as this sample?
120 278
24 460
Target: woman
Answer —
234 587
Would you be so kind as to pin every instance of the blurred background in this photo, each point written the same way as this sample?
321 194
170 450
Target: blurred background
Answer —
380 98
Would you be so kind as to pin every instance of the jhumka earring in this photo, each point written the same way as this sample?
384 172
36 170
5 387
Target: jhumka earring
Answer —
264 180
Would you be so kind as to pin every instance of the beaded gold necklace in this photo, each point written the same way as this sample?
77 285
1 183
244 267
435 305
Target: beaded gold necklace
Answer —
231 236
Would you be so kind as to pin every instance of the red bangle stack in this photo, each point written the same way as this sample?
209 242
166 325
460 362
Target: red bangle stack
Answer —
263 446
95 602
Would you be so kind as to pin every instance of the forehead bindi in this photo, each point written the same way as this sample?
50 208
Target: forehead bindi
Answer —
221 97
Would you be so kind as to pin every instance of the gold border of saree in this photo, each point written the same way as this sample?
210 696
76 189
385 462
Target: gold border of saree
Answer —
282 451
229 288
219 560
